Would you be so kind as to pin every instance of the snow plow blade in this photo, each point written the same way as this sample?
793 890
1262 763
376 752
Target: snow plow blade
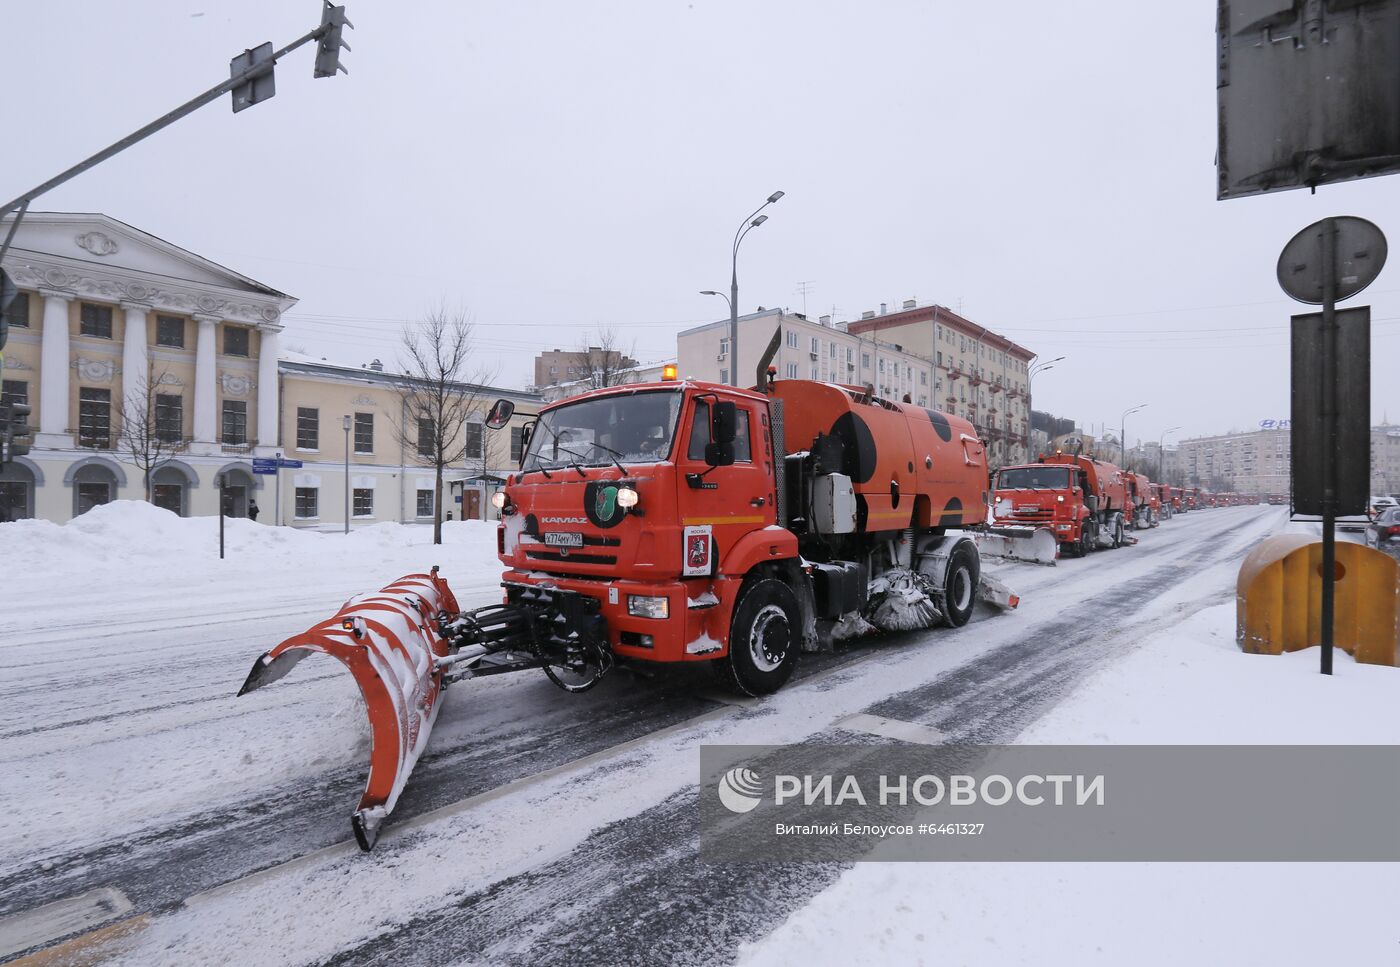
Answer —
1036 545
391 641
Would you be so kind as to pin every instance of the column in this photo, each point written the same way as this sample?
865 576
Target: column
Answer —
268 402
53 372
205 398
135 364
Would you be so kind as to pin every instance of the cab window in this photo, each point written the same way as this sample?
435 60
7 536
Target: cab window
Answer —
700 434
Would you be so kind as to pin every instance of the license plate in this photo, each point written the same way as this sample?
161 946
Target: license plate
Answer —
564 540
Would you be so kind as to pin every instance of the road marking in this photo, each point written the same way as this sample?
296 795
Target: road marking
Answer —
892 729
20 931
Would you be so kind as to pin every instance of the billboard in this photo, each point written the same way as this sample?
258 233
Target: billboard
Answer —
1308 93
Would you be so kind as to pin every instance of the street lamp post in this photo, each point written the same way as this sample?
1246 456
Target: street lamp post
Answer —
1123 430
733 357
1035 370
346 423
746 226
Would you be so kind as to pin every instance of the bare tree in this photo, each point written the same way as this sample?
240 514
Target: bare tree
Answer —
441 389
606 362
148 434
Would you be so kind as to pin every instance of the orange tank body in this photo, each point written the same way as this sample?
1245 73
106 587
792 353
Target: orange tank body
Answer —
902 459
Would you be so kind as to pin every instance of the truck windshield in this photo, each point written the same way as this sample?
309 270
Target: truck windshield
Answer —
628 428
1033 478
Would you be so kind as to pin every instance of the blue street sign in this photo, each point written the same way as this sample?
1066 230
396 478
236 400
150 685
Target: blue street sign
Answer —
265 471
264 464
291 464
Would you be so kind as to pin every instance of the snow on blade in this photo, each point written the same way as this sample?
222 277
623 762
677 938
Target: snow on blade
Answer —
389 640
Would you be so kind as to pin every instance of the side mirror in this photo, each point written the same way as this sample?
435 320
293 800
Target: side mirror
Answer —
526 432
500 414
724 423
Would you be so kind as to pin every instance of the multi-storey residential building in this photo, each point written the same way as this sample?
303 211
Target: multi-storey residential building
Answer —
1254 462
1385 459
808 350
979 374
641 373
568 365
110 318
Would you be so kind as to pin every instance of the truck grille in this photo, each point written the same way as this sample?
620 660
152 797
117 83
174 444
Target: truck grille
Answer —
1033 513
572 558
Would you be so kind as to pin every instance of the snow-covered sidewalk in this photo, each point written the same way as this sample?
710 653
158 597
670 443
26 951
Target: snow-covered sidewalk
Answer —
1187 685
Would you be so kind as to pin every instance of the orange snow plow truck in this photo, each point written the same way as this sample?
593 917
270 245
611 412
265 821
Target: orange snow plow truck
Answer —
680 522
1085 501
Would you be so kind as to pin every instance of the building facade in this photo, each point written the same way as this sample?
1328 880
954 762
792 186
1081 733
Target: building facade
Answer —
978 374
817 350
114 326
570 365
1256 462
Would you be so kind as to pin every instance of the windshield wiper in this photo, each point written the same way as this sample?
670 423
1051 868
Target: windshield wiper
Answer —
615 456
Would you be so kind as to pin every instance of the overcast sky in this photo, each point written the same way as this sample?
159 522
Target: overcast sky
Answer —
554 167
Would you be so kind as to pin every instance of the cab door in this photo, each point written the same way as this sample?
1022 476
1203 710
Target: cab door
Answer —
720 505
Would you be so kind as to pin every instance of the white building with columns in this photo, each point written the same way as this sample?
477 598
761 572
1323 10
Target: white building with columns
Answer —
110 318
105 309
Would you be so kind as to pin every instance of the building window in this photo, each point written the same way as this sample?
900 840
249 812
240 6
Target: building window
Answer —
425 438
170 418
850 354
235 341
364 432
473 439
792 371
235 423
15 391
814 372
95 320
94 417
306 508
308 428
864 360
923 377
517 445
170 331
92 495
792 338
363 498
425 503
724 346
833 350
816 345
17 312
724 376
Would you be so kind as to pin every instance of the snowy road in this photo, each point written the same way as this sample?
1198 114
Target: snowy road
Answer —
538 825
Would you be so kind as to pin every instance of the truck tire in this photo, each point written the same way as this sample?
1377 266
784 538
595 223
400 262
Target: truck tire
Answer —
1117 531
1088 537
765 638
960 585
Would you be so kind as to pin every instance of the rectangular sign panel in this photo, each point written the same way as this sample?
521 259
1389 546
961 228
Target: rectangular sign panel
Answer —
1310 433
1306 93
291 464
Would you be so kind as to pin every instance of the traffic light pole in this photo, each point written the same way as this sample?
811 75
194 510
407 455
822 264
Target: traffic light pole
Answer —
214 93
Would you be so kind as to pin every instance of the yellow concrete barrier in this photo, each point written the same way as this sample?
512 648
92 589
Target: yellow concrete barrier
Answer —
1278 599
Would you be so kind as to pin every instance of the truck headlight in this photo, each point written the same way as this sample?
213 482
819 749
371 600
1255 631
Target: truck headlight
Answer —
1060 498
498 499
646 606
627 499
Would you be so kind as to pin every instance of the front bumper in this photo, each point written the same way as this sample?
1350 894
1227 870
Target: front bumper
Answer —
695 630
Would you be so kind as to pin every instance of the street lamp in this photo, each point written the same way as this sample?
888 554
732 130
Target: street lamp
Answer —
346 424
1122 432
733 357
747 225
1162 447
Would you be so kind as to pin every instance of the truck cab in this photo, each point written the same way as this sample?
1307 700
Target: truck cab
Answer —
1084 500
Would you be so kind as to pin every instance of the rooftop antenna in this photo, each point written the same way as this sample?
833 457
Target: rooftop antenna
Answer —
802 289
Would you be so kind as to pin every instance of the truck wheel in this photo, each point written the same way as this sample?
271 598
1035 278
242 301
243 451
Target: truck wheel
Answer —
764 639
960 586
1088 538
1117 532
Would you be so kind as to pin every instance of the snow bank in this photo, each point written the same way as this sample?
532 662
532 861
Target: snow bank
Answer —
1188 685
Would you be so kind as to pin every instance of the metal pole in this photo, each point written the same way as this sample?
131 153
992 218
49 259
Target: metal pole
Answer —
277 511
734 318
221 517
347 475
1329 403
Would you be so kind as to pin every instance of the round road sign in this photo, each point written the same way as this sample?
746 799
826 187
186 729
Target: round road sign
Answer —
1360 256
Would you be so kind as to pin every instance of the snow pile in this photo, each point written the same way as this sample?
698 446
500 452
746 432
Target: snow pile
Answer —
1188 685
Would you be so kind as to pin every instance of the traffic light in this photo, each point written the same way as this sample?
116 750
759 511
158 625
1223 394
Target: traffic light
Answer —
333 22
14 425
